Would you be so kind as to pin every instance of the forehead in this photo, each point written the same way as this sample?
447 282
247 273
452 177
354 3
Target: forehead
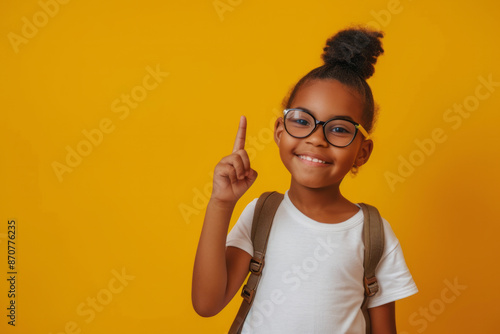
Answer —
329 98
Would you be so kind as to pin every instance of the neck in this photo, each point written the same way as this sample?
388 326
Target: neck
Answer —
316 198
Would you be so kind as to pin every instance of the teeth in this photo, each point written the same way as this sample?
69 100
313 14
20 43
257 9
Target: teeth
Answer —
305 157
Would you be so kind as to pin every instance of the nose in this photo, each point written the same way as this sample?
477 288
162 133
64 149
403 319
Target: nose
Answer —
317 137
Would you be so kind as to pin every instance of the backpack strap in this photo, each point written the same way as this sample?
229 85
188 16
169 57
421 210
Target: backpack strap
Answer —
265 209
373 238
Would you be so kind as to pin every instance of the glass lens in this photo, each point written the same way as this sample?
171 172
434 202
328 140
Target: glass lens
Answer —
340 132
298 123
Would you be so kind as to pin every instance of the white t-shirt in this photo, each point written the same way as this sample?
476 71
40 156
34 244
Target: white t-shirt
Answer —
313 273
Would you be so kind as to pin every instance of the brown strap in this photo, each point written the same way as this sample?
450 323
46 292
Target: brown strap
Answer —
265 209
373 238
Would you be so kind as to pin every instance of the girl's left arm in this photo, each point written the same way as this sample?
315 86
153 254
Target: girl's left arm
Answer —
383 318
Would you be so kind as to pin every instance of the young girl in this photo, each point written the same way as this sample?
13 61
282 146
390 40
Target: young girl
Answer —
312 279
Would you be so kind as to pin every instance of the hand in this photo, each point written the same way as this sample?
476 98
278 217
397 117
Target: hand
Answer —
233 174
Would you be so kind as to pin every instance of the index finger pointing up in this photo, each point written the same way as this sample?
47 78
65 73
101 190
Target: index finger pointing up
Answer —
239 143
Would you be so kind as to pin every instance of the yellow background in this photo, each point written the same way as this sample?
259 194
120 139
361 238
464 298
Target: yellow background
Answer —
135 202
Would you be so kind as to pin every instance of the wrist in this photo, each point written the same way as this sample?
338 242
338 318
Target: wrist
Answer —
221 204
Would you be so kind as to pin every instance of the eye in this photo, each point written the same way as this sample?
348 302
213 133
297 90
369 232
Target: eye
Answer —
339 129
300 121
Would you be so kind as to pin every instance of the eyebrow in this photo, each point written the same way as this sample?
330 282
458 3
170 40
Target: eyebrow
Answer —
349 118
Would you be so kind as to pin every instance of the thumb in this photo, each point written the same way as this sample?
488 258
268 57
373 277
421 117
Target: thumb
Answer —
252 176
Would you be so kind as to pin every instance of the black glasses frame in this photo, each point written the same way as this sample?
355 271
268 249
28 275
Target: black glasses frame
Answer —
357 126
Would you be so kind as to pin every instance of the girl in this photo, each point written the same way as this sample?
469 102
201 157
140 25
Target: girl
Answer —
311 282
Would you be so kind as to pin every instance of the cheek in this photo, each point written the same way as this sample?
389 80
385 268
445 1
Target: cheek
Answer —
351 155
286 149
345 157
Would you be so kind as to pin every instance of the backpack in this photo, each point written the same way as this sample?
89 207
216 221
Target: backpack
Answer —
265 209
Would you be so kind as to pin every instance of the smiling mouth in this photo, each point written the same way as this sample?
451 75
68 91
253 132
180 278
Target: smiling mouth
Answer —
308 158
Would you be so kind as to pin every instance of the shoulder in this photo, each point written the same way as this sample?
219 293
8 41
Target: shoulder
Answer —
240 235
246 215
390 239
394 277
250 208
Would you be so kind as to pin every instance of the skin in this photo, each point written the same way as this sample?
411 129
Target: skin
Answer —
314 188
218 271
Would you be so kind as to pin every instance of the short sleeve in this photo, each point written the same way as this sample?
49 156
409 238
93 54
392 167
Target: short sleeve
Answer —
393 276
240 235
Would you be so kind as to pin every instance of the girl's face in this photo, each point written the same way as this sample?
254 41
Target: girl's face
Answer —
325 99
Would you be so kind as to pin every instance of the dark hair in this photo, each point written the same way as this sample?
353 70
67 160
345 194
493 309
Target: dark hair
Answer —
349 57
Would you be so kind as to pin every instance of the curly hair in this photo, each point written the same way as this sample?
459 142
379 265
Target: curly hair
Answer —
349 57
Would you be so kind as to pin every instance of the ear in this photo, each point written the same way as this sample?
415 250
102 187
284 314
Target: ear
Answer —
364 152
279 127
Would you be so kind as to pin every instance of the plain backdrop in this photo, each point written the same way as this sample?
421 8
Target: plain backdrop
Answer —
114 114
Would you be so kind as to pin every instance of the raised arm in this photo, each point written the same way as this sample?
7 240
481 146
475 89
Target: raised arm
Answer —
218 273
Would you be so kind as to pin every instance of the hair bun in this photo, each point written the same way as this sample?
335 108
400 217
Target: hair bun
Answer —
356 48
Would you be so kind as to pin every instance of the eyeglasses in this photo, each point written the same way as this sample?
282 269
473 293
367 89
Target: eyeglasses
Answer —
338 131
